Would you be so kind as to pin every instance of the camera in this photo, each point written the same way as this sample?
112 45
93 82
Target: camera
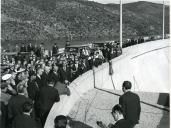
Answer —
99 122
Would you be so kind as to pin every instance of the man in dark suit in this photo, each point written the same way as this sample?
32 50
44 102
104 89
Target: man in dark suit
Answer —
24 120
130 103
33 88
47 97
117 113
30 47
23 48
39 80
54 74
55 49
38 84
33 93
64 73
45 75
16 102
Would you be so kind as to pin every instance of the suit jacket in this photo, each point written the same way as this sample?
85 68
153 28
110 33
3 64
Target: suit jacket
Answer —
39 81
64 74
45 78
30 48
54 76
47 97
55 50
33 90
38 51
130 103
23 49
23 121
15 105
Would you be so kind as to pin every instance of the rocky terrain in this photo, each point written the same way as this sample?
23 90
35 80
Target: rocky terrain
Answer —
46 21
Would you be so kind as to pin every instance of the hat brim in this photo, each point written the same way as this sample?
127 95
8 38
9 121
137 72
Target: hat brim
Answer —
6 76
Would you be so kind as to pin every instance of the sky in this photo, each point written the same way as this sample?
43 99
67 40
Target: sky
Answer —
129 1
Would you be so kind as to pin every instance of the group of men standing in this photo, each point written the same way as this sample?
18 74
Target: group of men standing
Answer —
38 50
32 94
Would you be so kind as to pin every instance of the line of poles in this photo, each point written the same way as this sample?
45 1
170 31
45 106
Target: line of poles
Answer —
121 21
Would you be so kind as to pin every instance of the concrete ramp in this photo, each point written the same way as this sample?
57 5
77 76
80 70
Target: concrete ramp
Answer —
145 65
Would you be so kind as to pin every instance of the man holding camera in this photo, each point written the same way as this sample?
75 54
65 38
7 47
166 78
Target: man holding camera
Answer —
117 113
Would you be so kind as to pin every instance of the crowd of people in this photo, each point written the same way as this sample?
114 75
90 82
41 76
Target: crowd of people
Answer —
74 64
32 80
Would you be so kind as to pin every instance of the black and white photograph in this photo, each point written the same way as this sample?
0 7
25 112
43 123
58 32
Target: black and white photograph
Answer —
85 64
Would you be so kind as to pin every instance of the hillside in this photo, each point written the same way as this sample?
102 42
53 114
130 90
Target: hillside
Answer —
77 20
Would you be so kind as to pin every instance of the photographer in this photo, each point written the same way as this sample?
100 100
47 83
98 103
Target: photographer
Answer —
117 114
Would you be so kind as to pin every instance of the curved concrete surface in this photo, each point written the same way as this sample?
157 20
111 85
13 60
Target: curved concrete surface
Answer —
145 65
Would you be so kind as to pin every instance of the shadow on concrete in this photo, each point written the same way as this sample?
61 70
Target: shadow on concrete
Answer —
165 120
163 99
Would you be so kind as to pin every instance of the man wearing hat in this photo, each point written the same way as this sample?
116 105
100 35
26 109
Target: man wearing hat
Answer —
130 103
7 79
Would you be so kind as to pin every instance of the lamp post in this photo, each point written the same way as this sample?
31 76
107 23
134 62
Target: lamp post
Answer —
121 23
163 18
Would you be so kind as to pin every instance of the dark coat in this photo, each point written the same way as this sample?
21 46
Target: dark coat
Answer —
54 76
45 78
33 90
38 51
15 105
55 50
47 97
64 74
30 48
23 121
130 103
23 49
39 82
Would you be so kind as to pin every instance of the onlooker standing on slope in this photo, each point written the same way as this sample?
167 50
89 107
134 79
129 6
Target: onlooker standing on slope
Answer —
130 103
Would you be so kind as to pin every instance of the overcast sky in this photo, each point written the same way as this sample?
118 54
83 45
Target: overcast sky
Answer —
128 1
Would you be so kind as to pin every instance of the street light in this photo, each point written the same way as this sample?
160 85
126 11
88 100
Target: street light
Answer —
163 18
121 23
